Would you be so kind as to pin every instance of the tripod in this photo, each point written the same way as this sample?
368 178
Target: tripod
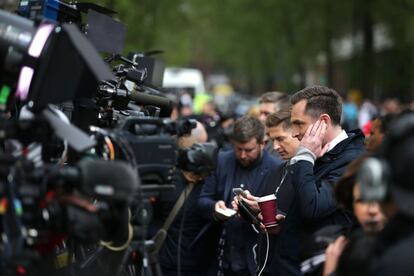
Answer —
147 248
150 265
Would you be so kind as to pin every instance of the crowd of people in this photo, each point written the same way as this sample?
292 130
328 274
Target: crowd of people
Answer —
345 202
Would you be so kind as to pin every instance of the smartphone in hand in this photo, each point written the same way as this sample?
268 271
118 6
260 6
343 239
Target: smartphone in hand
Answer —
247 213
238 192
228 213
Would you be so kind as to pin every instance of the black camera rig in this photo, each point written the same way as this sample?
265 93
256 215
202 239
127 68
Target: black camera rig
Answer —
127 148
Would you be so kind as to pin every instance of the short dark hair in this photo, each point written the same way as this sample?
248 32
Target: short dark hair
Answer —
320 99
247 128
281 117
281 100
386 122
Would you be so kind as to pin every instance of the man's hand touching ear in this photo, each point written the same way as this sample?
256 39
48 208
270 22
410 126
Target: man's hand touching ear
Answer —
313 138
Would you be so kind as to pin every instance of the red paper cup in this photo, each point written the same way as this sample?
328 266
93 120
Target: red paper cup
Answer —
268 207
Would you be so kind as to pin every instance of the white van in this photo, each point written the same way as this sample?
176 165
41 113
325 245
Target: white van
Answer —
188 78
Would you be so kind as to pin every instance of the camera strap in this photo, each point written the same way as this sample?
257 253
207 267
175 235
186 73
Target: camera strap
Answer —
160 236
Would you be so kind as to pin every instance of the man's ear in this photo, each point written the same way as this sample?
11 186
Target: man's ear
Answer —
325 118
262 145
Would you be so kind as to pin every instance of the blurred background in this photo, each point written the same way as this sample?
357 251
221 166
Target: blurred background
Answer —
230 52
256 46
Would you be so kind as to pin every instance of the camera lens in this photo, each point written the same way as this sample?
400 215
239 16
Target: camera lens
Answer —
16 33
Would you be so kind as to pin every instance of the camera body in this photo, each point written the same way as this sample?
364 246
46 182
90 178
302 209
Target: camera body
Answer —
155 154
85 203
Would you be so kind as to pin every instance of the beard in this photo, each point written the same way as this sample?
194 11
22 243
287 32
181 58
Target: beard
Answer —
250 163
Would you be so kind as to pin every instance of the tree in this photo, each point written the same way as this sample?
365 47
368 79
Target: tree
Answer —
268 42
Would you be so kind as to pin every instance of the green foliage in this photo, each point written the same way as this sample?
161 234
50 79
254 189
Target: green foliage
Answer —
267 42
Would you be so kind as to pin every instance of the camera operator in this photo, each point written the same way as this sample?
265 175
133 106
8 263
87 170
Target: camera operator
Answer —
187 249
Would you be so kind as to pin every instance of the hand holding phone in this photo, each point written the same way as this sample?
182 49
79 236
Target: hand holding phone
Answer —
239 192
248 198
227 212
248 213
221 211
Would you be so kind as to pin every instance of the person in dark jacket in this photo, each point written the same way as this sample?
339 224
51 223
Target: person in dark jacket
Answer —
369 220
307 193
386 178
282 256
247 166
188 246
394 246
187 249
325 151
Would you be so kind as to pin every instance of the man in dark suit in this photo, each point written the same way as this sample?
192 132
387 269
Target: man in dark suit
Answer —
306 195
247 166
278 249
325 151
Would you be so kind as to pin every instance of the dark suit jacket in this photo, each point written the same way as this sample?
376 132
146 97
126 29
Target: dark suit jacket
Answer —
219 187
314 184
309 188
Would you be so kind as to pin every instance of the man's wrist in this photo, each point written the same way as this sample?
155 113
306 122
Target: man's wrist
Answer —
303 154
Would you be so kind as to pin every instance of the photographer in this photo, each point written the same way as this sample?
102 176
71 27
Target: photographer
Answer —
187 247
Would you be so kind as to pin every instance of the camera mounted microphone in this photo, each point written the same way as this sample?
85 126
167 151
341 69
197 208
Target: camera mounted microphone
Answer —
142 98
112 181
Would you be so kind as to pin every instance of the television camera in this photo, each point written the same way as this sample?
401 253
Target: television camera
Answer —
45 59
42 206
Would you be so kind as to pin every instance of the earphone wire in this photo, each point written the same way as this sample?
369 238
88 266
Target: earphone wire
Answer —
267 254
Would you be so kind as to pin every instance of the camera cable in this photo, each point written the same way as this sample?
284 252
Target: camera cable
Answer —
124 246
